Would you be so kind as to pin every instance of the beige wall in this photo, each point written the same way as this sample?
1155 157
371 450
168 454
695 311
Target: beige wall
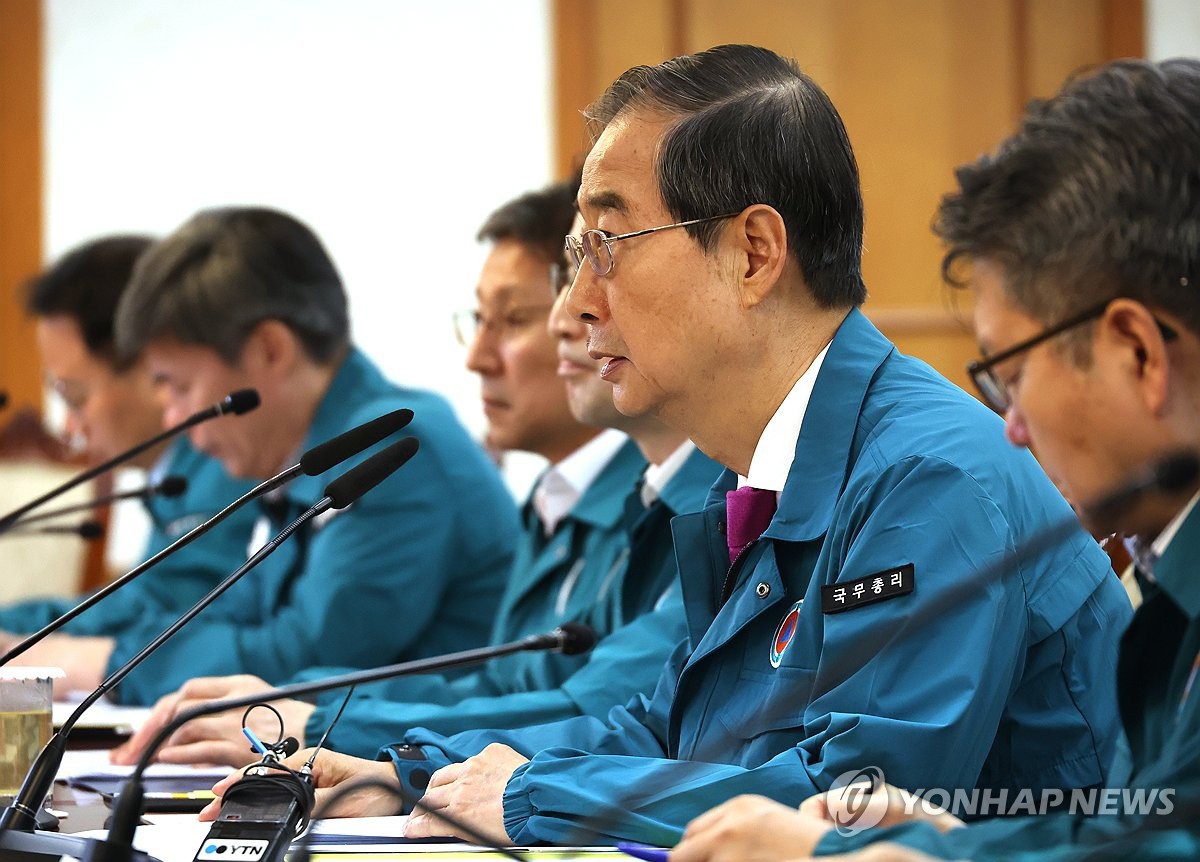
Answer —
923 86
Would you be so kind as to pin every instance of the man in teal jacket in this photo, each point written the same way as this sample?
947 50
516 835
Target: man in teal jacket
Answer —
721 277
247 297
1080 235
111 406
607 561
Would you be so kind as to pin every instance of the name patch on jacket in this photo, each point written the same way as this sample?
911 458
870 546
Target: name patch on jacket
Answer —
900 581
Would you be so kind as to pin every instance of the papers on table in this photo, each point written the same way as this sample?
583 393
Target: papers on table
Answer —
103 715
80 764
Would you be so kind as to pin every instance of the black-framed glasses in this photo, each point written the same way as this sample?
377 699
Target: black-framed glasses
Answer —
595 246
995 391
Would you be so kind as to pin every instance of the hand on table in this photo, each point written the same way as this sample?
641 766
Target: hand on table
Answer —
331 772
471 792
214 738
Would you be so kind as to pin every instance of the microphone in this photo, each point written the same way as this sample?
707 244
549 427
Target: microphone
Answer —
1170 475
87 530
570 638
314 462
235 403
19 819
169 486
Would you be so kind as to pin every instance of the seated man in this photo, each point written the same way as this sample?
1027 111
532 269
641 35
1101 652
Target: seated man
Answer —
1081 235
605 560
248 298
111 406
721 278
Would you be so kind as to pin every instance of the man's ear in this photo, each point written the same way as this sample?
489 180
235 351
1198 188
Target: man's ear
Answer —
760 236
271 348
1133 331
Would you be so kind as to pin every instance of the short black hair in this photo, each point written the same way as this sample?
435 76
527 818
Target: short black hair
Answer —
227 270
752 128
1096 195
85 285
540 219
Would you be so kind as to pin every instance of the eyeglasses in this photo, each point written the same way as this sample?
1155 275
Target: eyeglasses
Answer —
505 325
596 245
995 391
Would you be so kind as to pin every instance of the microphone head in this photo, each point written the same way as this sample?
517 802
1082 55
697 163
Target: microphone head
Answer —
289 746
171 486
576 638
1176 472
90 531
334 451
351 485
237 403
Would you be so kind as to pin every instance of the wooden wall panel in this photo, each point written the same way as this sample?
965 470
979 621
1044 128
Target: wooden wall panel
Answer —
923 86
20 194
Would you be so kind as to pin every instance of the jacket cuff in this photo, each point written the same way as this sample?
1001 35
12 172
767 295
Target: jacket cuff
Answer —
518 808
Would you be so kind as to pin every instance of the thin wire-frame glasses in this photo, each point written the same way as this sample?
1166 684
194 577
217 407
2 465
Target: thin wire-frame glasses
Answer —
595 246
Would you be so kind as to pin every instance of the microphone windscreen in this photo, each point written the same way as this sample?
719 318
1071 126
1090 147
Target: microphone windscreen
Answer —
332 452
576 638
242 401
1176 472
348 487
171 486
90 531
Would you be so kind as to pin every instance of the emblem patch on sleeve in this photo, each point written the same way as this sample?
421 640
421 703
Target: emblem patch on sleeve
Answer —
888 584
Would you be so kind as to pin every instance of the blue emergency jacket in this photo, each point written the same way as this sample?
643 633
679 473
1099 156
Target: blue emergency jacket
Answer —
1151 809
413 568
608 564
782 686
174 584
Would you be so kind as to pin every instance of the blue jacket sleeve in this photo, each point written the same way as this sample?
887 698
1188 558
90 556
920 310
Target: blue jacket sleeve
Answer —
624 664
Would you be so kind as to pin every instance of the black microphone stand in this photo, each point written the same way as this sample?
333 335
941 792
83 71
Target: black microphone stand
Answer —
570 638
322 457
18 822
237 403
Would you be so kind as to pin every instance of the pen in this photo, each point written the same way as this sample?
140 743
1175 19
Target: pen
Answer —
641 851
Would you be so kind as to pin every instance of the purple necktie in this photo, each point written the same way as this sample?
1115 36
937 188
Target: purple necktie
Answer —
748 511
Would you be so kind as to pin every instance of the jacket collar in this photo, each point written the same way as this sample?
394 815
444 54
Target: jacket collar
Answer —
686 491
823 450
602 503
353 382
1175 571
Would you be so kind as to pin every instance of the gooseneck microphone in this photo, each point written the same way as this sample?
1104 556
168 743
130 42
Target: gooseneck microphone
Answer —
314 462
168 486
569 638
18 821
87 530
235 403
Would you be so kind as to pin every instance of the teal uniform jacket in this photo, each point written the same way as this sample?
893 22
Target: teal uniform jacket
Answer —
613 589
896 471
626 661
412 569
1158 761
174 584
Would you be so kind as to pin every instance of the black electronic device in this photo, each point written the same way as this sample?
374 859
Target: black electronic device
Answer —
260 816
